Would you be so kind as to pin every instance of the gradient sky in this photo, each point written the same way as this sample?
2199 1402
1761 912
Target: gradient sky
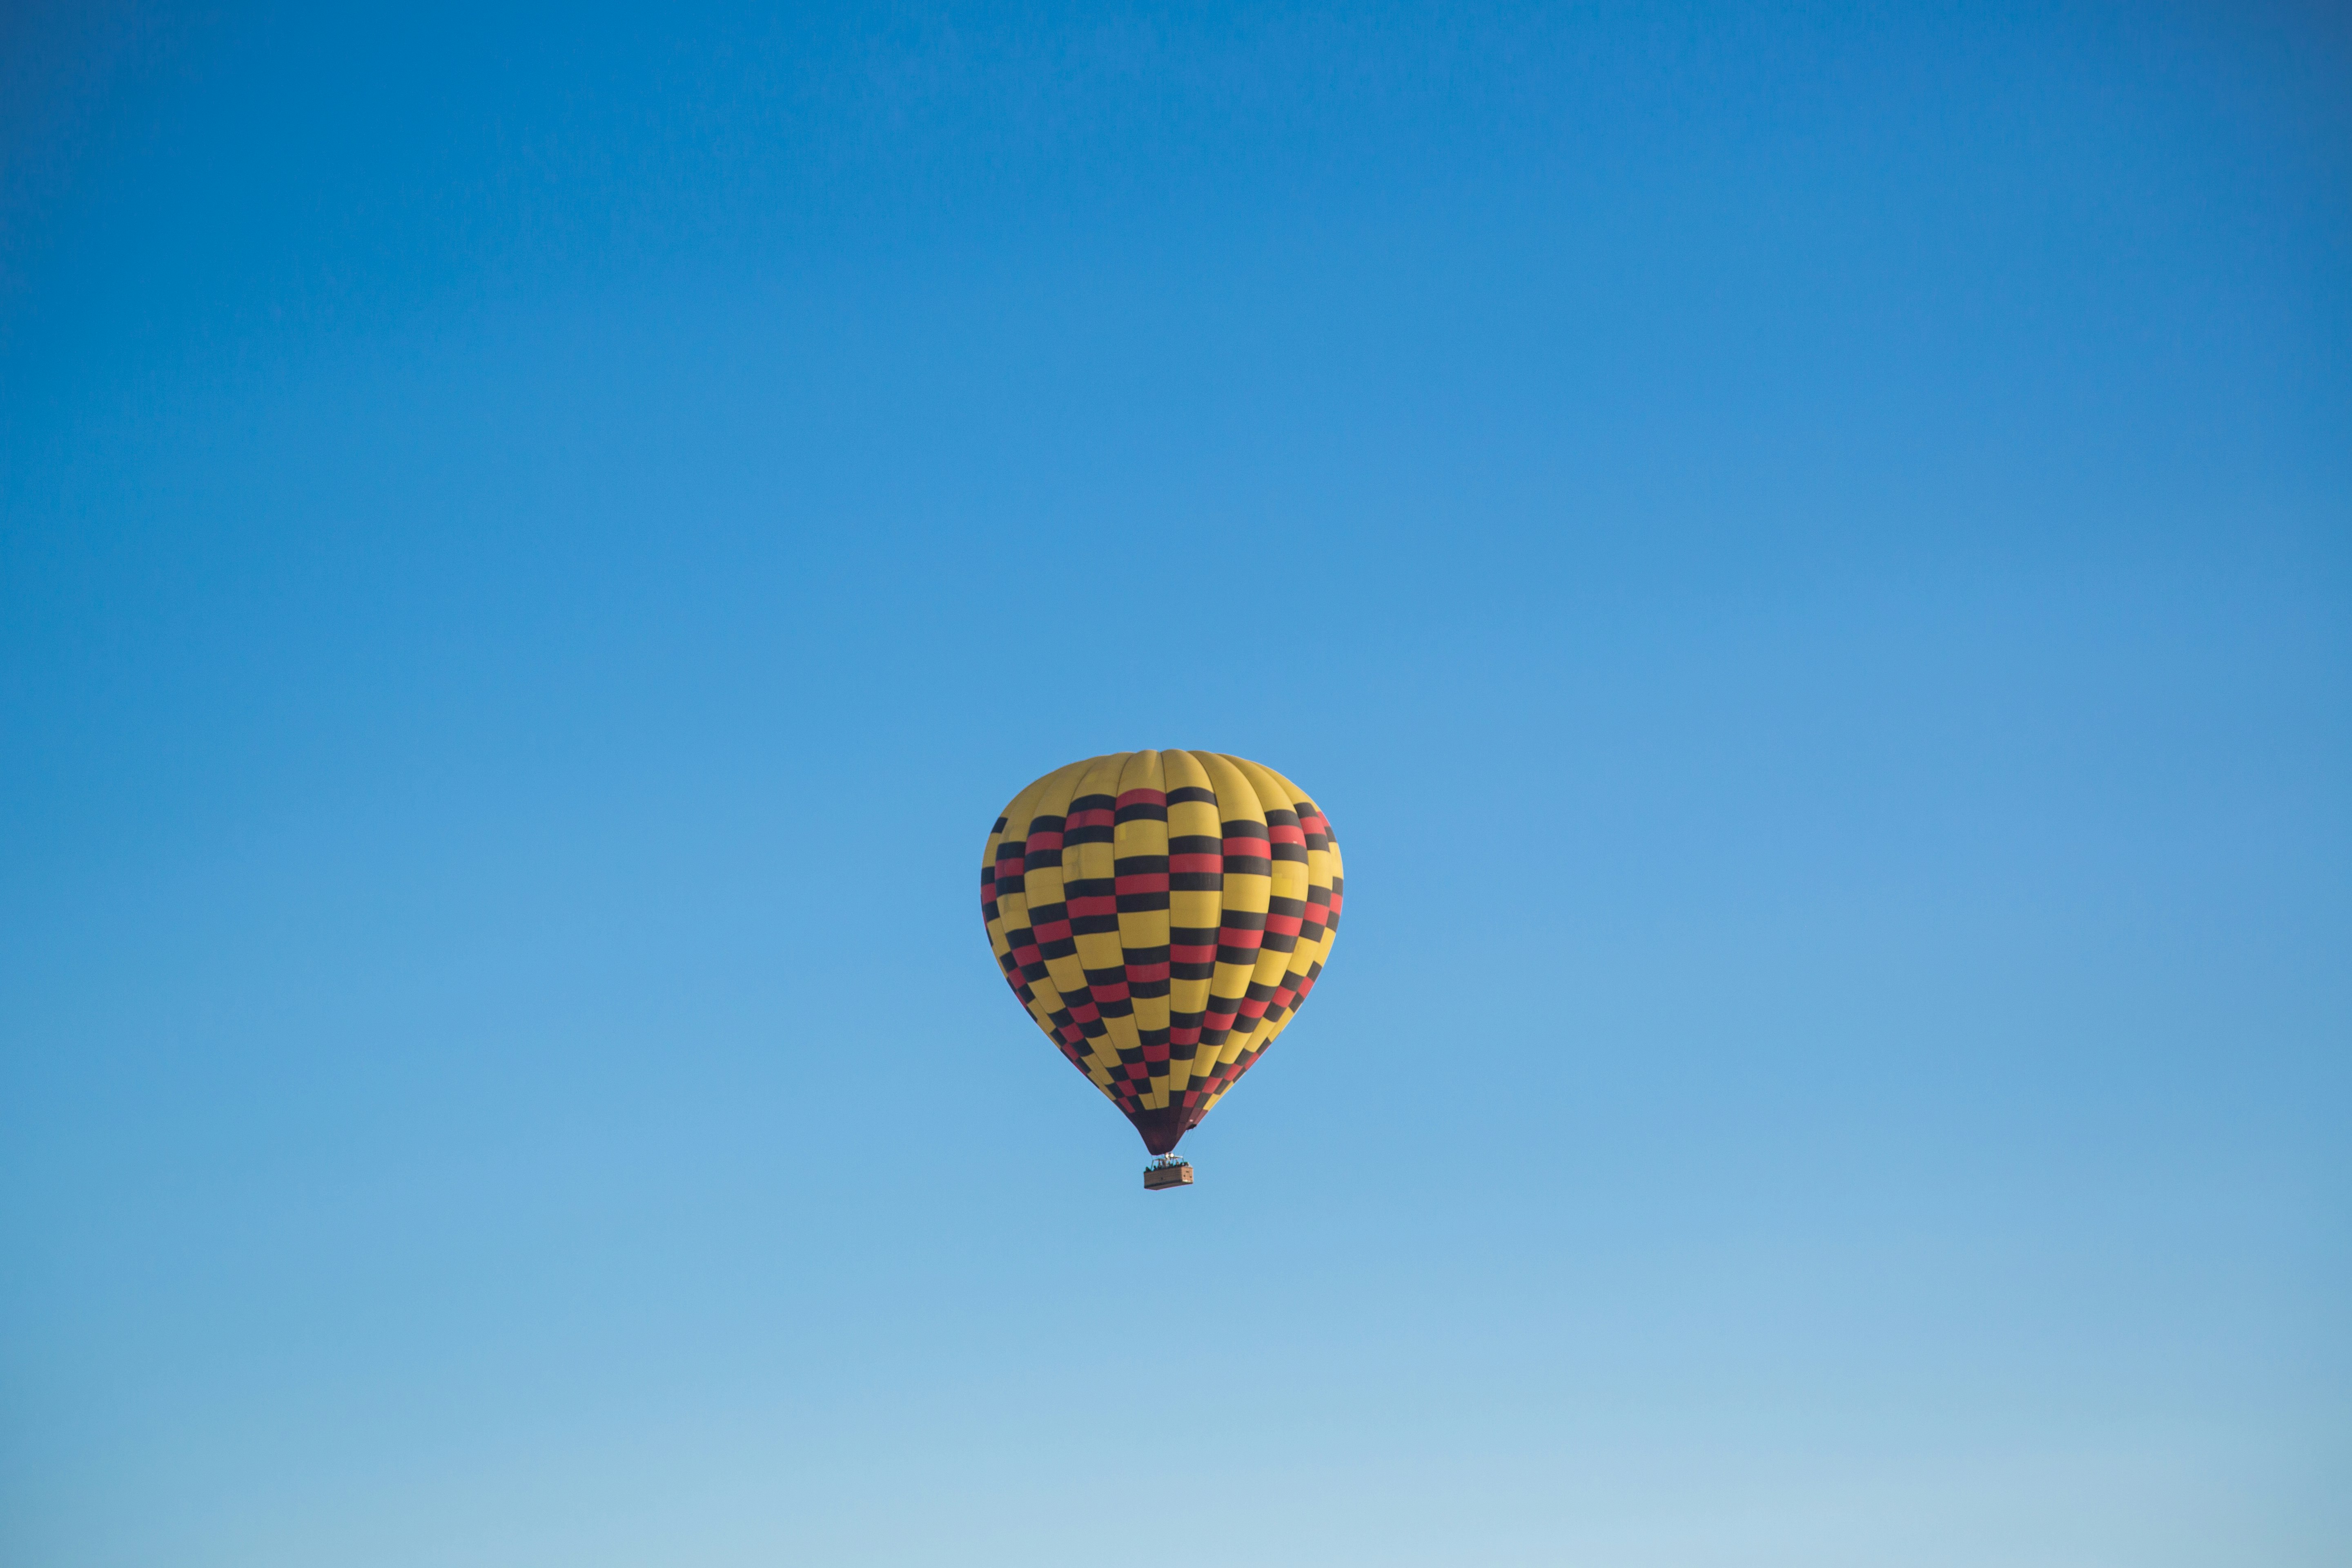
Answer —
1806 550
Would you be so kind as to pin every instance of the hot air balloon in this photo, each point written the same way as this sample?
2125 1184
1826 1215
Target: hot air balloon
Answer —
1164 916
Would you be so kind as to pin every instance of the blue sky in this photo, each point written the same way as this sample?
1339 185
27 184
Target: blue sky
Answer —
1804 550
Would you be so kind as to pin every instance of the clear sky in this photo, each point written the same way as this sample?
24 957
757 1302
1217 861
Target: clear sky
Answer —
1806 550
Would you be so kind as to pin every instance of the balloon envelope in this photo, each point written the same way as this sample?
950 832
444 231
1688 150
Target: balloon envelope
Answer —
1162 916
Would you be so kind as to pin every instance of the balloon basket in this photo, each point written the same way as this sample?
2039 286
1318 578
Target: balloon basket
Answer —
1168 1171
